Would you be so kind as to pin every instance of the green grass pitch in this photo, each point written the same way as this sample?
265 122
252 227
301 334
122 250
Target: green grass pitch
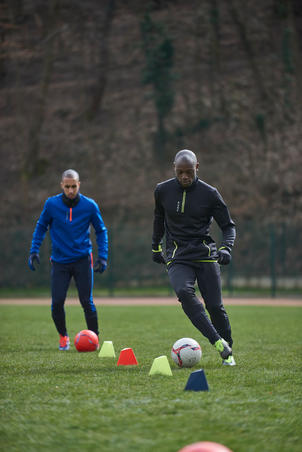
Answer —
70 401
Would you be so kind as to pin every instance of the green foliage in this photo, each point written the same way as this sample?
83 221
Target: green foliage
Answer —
287 51
214 14
68 401
281 8
260 123
202 124
159 53
215 18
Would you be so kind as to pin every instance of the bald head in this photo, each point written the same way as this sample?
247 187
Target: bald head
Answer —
185 155
70 174
70 183
185 166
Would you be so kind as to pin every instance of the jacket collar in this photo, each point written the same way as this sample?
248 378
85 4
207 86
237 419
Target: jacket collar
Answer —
191 187
70 202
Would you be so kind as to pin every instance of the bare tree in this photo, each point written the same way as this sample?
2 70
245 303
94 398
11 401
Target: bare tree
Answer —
104 58
32 161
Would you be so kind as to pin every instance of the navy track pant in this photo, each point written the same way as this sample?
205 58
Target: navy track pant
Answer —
61 274
207 275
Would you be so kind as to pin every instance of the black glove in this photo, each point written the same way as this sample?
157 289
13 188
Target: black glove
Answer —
224 256
157 255
100 265
31 261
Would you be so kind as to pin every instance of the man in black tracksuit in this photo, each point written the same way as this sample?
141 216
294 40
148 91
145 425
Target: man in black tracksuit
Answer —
184 210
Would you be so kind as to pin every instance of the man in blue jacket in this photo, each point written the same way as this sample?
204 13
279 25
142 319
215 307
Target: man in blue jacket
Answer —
68 217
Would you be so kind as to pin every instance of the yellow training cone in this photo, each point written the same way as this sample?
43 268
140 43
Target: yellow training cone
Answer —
107 350
161 366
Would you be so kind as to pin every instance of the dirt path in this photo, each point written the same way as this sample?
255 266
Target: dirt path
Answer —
156 301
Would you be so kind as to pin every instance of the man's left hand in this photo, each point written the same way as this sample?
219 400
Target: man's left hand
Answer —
100 265
224 256
32 260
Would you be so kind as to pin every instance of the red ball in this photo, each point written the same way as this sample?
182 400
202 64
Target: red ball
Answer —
205 446
86 341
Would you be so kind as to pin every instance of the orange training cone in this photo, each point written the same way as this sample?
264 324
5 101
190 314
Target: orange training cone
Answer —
127 358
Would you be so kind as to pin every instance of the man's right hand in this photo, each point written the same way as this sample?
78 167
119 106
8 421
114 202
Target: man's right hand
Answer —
157 255
31 261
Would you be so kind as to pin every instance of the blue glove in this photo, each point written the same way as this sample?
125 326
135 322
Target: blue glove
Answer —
31 261
224 256
100 265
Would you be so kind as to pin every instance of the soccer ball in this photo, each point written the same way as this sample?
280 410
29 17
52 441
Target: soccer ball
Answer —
86 341
186 352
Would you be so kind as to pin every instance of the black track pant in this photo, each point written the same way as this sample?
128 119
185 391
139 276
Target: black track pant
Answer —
207 274
61 274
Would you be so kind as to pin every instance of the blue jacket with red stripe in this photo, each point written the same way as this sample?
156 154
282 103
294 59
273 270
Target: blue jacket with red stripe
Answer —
70 229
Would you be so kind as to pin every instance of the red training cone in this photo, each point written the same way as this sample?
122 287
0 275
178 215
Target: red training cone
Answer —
127 358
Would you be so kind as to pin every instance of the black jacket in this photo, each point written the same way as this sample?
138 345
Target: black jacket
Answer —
184 215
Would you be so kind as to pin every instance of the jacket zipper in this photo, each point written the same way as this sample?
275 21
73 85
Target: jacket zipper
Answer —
70 214
183 201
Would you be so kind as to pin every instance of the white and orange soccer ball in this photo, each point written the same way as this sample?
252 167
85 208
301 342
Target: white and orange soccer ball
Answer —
86 341
186 352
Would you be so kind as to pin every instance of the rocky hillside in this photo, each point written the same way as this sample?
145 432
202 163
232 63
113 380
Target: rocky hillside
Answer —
114 88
